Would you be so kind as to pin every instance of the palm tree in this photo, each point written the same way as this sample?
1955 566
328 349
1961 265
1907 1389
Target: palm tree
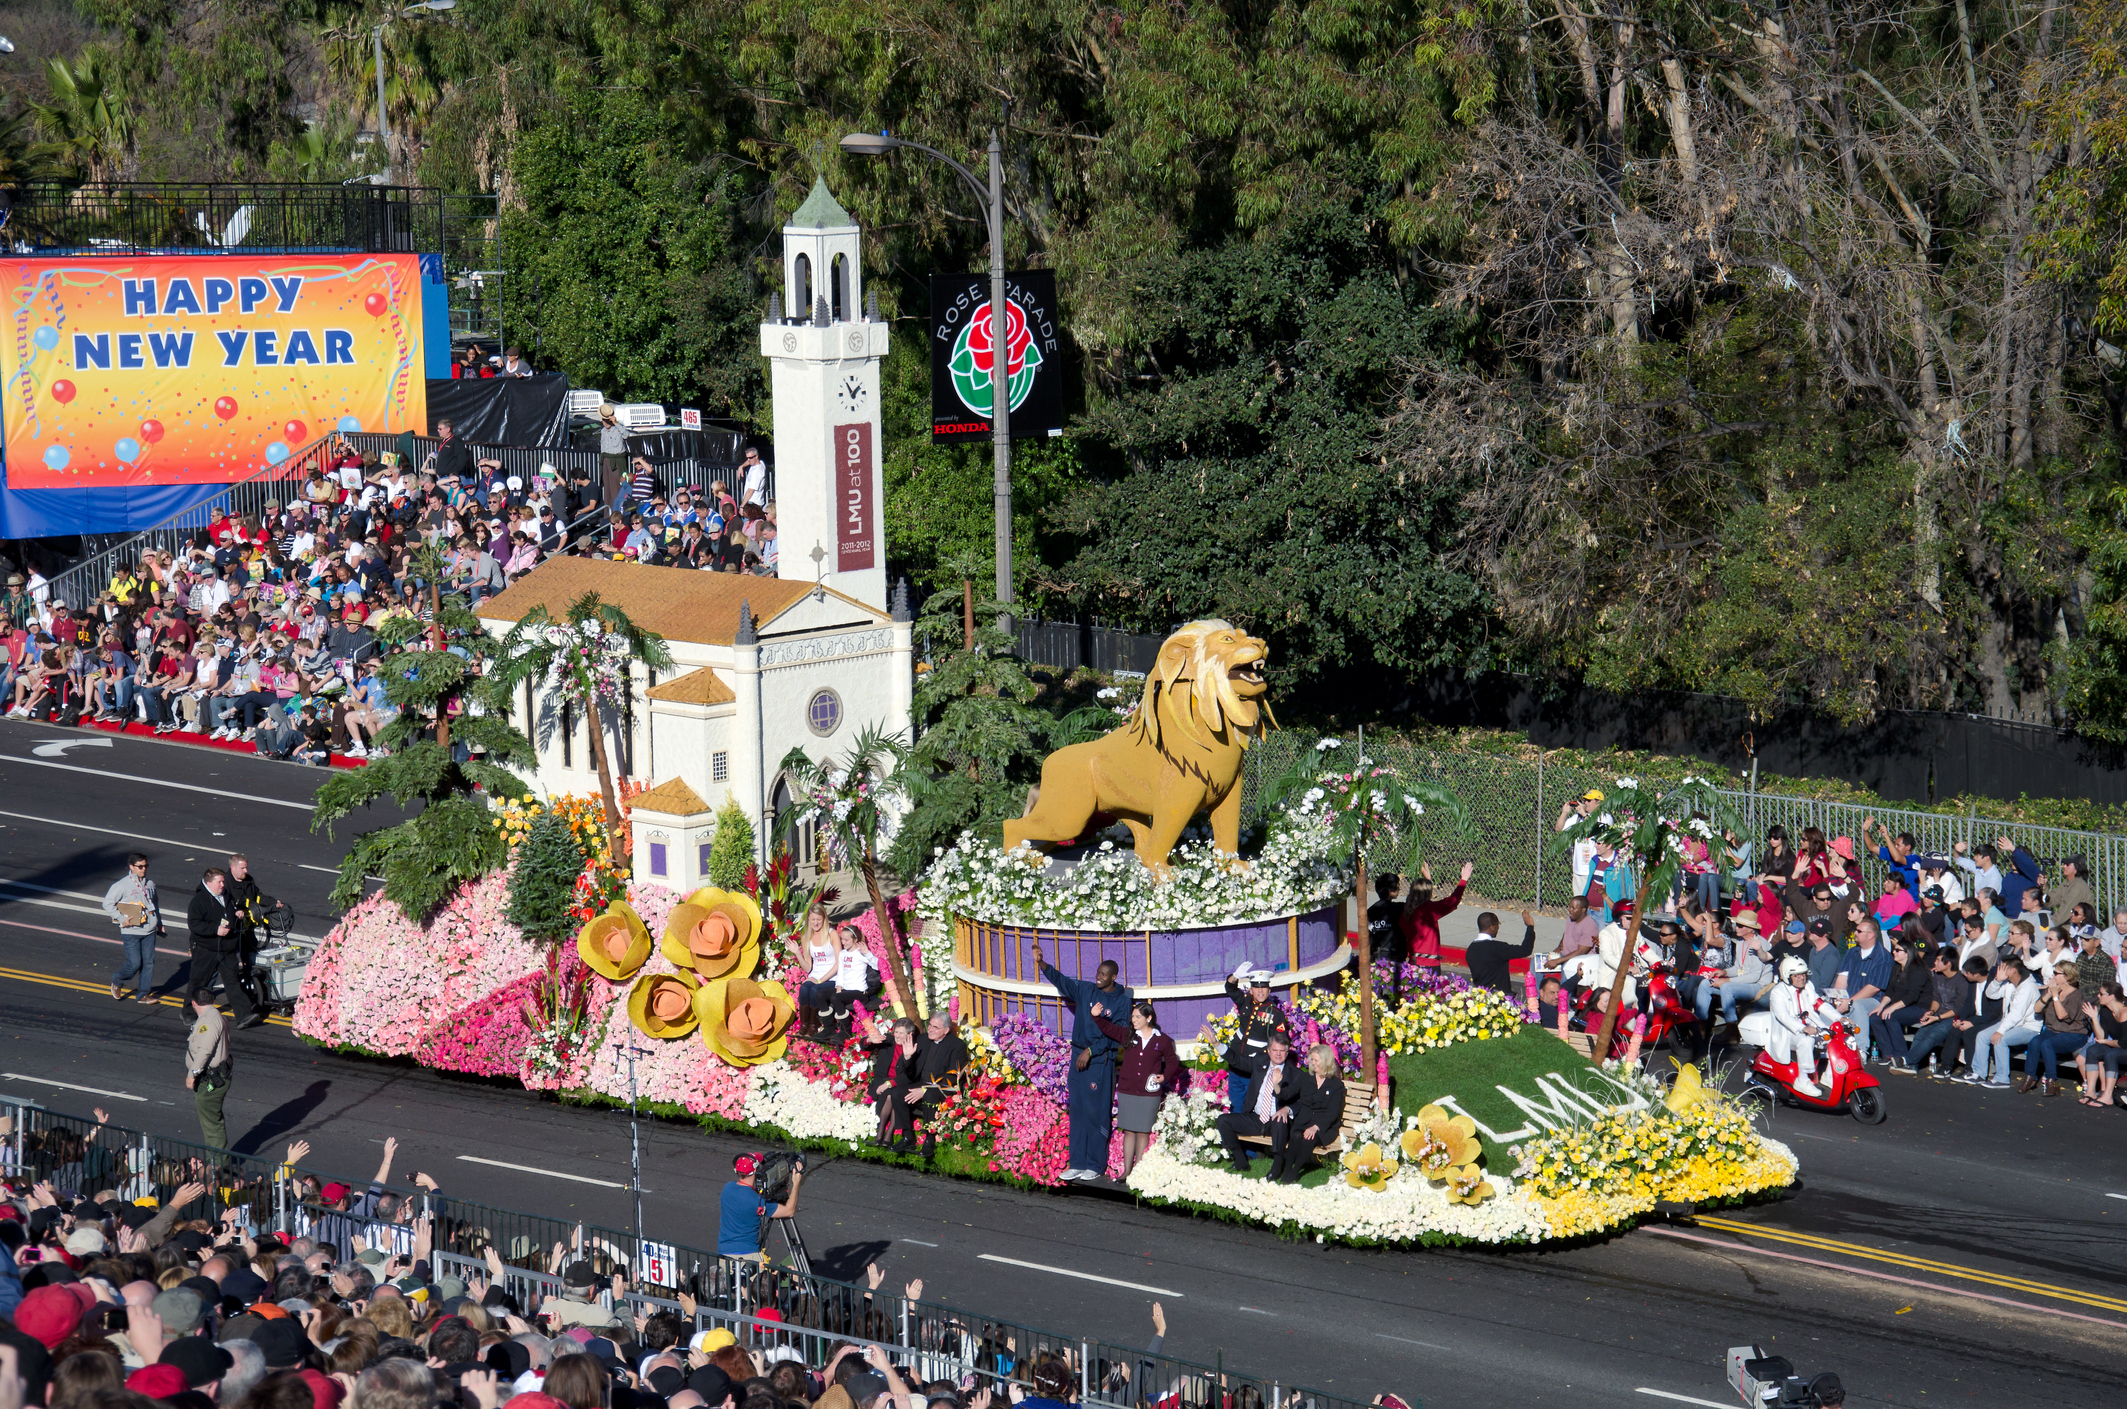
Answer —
589 657
87 124
1648 827
843 801
1364 804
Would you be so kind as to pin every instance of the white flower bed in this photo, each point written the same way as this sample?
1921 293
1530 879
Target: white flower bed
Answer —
1110 889
1406 1210
779 1095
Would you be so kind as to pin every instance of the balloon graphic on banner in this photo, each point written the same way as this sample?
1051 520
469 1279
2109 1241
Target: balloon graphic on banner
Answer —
376 304
294 430
276 452
47 337
55 457
151 431
349 425
127 449
62 391
225 407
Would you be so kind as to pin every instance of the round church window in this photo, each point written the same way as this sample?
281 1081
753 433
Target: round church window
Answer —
823 712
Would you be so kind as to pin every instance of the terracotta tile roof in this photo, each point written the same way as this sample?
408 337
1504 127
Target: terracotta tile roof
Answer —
702 687
679 604
670 799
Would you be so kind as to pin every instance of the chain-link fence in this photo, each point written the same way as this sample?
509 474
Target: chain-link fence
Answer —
763 1305
1514 804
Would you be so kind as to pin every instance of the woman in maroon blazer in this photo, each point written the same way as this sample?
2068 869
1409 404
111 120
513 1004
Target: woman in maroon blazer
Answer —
1147 1068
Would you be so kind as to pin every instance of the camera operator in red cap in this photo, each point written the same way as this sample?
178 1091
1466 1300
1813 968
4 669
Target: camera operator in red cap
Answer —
741 1209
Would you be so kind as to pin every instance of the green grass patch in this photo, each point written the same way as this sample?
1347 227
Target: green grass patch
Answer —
1473 1072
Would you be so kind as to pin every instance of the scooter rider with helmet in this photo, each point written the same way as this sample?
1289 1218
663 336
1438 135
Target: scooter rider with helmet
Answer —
1799 1016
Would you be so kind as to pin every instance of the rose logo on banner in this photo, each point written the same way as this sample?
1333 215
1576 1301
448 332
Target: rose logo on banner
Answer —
972 361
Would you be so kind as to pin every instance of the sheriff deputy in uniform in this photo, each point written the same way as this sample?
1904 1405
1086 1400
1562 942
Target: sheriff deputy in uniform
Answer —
207 1066
1257 1018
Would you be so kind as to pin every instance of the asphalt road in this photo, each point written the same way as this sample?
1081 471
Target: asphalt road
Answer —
1915 1260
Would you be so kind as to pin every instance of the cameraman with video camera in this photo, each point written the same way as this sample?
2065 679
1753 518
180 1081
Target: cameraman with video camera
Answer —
247 909
743 1212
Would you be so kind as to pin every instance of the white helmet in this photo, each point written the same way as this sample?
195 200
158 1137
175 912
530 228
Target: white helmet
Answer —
1790 966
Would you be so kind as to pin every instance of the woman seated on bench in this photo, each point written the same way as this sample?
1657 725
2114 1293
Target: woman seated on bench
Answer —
1317 1116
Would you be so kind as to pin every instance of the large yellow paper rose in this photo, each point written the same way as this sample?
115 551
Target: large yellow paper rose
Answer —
1440 1143
743 1021
662 1005
616 943
1368 1168
716 933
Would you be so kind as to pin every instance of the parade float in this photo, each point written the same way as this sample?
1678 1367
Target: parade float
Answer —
1487 1128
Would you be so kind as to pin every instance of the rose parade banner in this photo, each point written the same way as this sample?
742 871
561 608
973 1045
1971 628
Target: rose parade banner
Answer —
961 329
172 370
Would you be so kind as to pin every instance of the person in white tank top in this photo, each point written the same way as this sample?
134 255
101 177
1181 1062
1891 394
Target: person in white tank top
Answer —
821 952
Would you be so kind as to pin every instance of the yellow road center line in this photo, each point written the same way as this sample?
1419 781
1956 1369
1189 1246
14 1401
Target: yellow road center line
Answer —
83 986
1918 1264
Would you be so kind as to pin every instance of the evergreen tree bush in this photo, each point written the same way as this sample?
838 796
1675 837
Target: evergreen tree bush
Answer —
731 851
543 882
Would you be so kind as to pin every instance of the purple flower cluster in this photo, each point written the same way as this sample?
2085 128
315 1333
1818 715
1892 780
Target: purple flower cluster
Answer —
1036 1052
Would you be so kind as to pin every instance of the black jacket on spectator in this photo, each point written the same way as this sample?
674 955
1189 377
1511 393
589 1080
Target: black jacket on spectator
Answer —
204 916
1912 985
938 1062
1488 958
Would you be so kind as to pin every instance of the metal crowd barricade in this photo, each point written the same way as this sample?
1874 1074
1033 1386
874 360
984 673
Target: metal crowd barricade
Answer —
812 1314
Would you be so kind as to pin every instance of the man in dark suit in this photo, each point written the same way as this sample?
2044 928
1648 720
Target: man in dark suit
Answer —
216 935
1273 1089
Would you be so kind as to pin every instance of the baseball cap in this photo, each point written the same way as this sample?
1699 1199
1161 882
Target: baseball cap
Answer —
1592 795
579 1274
1796 927
181 1309
157 1381
709 1342
86 1242
1820 925
282 1342
202 1362
333 1192
48 1313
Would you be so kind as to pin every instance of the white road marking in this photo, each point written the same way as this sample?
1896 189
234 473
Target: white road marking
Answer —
85 827
1259 1311
70 1086
53 890
2116 1196
157 782
919 1242
550 1173
1684 1398
56 748
52 904
1081 1276
1382 1335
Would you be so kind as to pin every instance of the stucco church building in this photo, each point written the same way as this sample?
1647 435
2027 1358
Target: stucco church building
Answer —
806 659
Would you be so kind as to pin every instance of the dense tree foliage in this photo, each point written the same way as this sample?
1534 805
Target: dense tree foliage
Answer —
1767 351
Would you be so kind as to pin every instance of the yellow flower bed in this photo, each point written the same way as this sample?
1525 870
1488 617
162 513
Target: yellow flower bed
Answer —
1427 1022
586 817
1595 1176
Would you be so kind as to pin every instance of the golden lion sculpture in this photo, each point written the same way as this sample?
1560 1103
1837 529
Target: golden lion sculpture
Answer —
1179 754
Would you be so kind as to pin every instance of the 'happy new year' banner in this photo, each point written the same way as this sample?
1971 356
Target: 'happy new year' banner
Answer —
201 369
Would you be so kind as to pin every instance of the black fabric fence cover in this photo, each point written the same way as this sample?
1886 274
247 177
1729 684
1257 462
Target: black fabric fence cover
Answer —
1901 755
503 410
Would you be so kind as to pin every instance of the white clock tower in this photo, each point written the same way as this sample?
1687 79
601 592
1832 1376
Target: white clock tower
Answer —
824 376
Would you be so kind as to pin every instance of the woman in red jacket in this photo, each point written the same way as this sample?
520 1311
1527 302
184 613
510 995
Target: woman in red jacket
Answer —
1421 921
1147 1068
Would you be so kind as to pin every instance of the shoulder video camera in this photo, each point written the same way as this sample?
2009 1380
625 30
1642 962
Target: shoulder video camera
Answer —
1770 1382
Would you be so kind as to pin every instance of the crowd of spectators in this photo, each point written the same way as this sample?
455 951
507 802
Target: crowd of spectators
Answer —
1950 967
109 1301
265 629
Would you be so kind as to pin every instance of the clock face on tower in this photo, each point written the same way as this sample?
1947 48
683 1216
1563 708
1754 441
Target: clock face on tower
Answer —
850 394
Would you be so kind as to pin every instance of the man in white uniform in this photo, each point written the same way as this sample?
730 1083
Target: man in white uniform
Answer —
1798 1016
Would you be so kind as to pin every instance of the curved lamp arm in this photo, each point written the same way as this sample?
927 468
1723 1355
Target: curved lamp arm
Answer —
875 145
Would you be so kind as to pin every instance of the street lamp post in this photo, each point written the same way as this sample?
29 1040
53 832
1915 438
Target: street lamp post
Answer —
992 199
376 36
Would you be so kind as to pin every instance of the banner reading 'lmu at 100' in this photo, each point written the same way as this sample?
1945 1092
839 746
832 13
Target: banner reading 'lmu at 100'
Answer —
201 369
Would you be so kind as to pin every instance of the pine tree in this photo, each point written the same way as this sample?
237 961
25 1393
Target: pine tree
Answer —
451 839
731 852
543 882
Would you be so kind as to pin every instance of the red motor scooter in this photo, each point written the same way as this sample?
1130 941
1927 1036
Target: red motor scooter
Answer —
1846 1085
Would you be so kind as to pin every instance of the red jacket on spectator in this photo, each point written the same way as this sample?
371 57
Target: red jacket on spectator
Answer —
1137 1060
1421 926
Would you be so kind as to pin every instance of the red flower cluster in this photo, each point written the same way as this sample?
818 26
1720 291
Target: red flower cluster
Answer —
971 1117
